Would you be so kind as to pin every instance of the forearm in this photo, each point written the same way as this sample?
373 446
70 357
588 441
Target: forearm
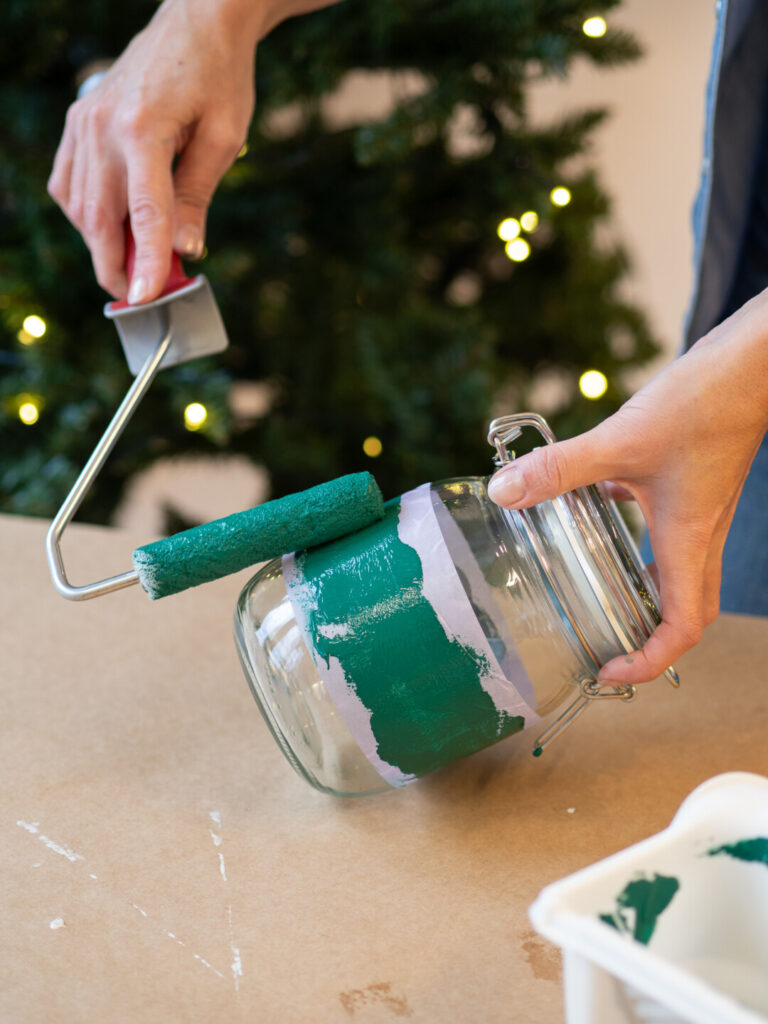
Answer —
246 21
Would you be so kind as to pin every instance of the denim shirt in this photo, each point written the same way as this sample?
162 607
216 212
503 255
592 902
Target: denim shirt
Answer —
730 214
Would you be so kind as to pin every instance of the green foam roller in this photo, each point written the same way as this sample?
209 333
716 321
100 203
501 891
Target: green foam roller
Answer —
298 521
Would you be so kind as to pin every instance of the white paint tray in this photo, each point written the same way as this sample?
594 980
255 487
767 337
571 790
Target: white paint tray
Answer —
675 928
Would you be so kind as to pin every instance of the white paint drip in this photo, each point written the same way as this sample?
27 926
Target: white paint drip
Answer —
215 816
210 967
237 961
33 827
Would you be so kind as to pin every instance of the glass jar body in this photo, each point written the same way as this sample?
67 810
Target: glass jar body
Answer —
446 627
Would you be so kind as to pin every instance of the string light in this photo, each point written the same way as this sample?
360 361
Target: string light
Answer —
29 412
518 250
372 447
34 325
508 229
243 151
529 220
593 384
25 337
594 27
560 195
195 416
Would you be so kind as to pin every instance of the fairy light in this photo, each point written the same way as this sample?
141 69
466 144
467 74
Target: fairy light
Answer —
25 337
594 27
29 413
243 151
195 415
508 229
372 447
593 384
529 220
34 326
560 195
518 250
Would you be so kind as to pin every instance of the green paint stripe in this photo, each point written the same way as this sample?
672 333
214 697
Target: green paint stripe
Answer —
365 613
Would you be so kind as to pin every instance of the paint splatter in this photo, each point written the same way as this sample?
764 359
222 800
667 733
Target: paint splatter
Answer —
380 992
640 904
210 967
752 850
33 827
236 965
237 961
543 958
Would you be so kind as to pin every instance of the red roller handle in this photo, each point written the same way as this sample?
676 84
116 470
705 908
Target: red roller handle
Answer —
177 279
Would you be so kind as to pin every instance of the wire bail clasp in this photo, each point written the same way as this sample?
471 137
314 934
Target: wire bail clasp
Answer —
506 429
589 690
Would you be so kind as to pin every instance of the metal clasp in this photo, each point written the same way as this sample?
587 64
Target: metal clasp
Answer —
589 690
501 433
504 430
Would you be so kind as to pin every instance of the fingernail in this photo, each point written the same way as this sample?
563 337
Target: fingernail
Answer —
137 290
188 242
507 486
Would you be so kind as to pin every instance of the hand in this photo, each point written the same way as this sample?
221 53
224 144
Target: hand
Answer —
183 88
681 447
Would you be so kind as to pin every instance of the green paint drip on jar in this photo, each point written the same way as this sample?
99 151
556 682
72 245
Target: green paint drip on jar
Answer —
647 898
363 603
753 850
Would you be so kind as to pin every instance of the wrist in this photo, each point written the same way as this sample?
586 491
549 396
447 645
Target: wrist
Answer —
739 346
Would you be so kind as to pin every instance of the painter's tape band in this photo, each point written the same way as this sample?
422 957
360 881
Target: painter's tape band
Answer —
420 529
398 644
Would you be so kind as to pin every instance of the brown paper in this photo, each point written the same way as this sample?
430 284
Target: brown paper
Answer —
161 861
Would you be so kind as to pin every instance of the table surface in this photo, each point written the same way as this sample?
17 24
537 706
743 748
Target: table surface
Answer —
161 861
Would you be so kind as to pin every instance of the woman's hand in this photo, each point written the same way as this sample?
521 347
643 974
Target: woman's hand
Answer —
183 88
681 447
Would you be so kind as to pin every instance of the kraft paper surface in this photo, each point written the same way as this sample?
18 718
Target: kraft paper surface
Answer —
161 861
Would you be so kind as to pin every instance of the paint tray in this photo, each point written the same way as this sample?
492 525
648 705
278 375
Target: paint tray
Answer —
674 929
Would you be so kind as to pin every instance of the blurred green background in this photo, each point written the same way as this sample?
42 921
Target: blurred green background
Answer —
369 298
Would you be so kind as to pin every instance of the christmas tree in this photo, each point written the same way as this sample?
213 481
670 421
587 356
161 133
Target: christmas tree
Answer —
390 281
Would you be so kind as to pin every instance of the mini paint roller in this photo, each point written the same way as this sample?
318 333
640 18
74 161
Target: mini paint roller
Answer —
184 323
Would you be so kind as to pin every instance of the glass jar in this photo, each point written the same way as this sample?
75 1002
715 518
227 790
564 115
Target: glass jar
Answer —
448 625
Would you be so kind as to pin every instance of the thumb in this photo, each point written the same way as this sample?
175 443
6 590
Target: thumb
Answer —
549 471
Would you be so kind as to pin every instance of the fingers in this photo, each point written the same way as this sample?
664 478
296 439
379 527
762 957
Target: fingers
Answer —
103 217
207 156
690 601
61 173
150 208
